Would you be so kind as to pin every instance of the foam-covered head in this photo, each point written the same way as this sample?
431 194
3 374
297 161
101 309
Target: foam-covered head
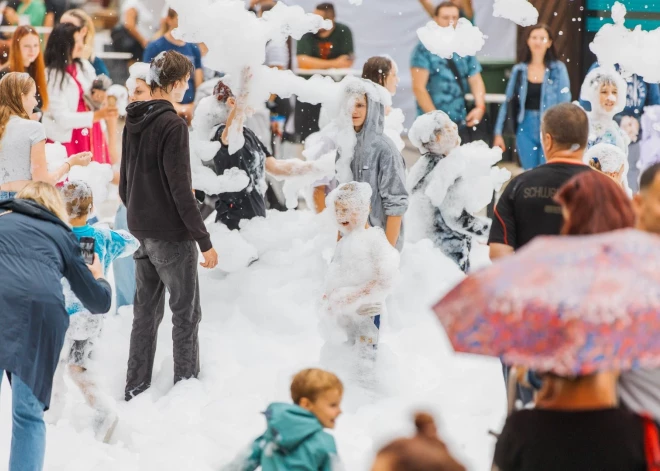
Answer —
434 132
351 204
606 157
78 198
138 71
606 90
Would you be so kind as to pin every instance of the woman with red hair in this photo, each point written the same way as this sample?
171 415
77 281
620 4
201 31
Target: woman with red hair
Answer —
25 56
593 203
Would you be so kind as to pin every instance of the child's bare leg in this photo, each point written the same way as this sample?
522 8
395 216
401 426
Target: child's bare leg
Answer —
57 402
86 385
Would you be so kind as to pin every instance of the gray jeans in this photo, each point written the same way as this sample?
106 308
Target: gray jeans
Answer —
161 265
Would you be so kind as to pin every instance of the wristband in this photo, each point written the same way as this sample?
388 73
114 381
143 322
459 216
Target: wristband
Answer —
69 166
481 107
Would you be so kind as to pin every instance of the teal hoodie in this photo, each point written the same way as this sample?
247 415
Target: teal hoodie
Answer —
293 441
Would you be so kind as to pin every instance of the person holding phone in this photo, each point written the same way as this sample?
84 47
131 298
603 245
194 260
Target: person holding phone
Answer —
33 318
23 141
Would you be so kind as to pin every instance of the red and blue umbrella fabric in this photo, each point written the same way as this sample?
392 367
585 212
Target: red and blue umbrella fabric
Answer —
566 304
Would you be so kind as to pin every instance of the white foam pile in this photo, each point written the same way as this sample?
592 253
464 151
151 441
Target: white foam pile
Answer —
635 51
97 176
521 12
260 325
464 40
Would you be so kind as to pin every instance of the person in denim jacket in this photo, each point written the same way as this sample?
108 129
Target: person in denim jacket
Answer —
542 82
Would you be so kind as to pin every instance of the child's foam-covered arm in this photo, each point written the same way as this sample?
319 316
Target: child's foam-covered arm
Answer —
249 459
122 244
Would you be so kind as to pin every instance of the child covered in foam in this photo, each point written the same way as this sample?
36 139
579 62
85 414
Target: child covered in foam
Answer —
362 270
448 185
85 328
606 90
607 159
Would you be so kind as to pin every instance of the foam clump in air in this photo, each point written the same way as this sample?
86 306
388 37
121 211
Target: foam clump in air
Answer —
520 12
610 158
237 40
364 266
464 40
355 2
634 51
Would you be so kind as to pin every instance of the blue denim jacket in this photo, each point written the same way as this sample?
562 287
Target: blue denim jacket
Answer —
555 89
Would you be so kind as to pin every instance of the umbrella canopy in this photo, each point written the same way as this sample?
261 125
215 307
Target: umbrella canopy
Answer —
571 305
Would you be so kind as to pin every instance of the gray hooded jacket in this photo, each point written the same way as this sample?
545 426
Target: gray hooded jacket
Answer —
377 161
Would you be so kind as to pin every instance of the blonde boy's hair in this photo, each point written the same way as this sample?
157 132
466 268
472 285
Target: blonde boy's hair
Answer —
313 382
78 198
47 196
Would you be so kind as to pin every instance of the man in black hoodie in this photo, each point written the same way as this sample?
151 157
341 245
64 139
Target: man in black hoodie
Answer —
156 187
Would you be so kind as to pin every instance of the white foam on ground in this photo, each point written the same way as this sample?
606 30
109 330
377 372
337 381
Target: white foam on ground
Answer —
259 327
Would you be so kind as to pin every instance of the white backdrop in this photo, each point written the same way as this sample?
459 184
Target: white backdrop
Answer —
389 27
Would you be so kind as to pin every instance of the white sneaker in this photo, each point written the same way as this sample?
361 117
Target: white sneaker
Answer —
105 424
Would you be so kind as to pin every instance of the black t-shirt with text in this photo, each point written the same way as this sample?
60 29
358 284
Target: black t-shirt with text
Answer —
589 440
526 209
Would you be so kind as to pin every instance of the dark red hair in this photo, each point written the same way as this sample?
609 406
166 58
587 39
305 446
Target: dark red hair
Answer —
595 204
222 92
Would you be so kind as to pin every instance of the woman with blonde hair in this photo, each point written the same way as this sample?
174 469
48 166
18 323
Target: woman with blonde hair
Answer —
23 141
33 318
83 21
25 56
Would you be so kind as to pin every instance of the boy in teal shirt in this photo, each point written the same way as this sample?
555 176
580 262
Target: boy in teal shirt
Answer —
85 328
294 438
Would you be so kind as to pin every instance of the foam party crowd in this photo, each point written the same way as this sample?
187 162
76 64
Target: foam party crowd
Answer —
230 239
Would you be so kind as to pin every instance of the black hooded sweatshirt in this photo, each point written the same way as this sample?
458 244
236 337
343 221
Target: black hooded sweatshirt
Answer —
155 182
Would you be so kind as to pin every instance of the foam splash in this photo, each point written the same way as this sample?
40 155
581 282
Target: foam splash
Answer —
520 12
634 51
464 40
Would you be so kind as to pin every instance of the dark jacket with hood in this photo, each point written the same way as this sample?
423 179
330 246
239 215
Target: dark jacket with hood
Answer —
37 249
156 183
294 441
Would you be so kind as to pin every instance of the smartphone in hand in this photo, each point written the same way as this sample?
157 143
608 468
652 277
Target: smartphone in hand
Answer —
87 245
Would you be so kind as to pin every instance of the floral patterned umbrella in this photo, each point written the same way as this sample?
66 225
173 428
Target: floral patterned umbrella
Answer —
567 305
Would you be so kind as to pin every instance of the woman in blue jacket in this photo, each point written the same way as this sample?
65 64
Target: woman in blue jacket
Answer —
37 249
537 83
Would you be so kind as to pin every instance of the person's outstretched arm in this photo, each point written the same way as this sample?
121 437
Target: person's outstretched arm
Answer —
428 7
